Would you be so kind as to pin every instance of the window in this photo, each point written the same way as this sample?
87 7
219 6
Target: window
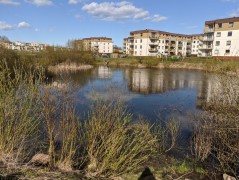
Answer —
162 41
218 34
194 41
135 47
227 51
159 41
219 25
135 52
162 47
229 33
141 40
159 47
135 41
231 24
216 51
140 46
217 43
141 34
228 43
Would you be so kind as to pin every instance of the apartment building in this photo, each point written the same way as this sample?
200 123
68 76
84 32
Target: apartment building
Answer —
23 46
101 45
221 38
196 44
151 42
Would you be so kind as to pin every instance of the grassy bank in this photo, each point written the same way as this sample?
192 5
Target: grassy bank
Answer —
206 64
108 143
51 59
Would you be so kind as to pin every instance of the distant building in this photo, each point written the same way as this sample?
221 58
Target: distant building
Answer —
101 45
22 46
221 38
151 42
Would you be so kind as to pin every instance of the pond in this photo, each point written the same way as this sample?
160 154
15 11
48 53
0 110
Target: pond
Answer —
154 94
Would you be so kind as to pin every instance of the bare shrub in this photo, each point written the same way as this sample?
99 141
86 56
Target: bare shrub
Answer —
59 120
115 145
167 135
19 112
216 131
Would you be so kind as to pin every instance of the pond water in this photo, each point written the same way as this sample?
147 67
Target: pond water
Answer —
155 94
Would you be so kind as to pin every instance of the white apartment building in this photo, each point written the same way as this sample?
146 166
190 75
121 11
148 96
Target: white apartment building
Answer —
196 44
221 38
22 46
151 42
101 45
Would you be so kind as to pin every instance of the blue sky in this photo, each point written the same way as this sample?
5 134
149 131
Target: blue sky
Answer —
57 21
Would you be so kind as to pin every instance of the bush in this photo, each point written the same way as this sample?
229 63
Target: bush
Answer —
19 112
114 144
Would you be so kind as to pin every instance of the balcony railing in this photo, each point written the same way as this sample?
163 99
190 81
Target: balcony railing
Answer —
153 37
153 43
209 30
206 47
153 50
208 38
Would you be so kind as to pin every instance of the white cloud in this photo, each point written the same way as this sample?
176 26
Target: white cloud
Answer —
5 26
74 1
158 18
40 2
23 25
9 2
235 13
112 11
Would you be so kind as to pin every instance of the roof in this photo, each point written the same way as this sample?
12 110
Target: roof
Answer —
161 32
100 38
225 20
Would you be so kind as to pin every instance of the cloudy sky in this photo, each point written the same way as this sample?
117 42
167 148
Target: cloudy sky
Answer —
57 21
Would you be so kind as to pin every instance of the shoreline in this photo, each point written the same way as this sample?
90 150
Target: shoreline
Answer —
213 68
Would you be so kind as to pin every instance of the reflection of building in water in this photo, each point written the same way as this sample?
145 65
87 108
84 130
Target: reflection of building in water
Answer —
215 89
147 81
104 72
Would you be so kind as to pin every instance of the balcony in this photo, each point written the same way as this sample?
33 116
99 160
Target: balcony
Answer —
153 43
209 30
153 37
180 45
206 47
153 50
207 38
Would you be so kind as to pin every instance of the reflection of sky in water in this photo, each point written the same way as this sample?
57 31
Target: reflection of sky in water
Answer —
151 93
155 94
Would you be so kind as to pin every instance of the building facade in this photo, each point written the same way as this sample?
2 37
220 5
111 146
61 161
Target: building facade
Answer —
221 38
101 45
151 42
23 46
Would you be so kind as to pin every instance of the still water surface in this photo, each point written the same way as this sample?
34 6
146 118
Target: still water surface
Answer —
155 94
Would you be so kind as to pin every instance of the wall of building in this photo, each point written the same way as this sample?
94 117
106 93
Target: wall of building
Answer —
224 48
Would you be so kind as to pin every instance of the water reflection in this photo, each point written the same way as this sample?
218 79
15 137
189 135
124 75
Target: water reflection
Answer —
148 81
188 87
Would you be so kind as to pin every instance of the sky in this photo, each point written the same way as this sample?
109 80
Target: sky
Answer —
56 21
